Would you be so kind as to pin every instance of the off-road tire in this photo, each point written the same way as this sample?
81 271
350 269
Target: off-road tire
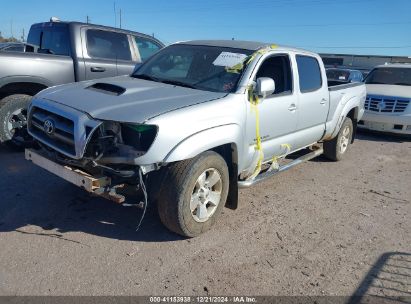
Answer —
8 105
332 148
173 201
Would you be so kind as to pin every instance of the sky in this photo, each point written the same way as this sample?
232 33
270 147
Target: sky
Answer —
370 27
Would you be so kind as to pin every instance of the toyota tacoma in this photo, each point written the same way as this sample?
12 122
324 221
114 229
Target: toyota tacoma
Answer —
194 123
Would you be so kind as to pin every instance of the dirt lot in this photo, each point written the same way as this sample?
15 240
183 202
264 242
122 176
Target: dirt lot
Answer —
322 228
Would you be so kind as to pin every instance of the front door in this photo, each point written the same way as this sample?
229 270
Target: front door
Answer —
277 112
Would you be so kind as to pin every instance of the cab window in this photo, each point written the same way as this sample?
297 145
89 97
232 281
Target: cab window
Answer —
146 47
309 72
50 38
108 45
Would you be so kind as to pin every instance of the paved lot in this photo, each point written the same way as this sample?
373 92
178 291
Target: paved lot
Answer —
320 228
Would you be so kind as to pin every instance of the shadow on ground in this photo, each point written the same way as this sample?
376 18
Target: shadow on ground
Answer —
32 196
362 135
387 281
382 137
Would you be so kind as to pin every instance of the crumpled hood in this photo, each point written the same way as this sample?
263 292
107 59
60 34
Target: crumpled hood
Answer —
389 90
141 100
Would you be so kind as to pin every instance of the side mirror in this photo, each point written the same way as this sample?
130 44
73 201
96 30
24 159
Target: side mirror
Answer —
265 86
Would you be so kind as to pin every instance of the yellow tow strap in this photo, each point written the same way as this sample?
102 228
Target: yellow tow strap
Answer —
254 101
274 162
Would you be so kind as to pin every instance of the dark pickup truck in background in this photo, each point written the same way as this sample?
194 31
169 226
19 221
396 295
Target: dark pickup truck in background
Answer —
63 52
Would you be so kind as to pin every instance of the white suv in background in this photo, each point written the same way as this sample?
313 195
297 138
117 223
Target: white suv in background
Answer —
387 106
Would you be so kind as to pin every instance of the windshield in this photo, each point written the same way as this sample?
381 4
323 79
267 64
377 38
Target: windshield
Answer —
396 76
197 67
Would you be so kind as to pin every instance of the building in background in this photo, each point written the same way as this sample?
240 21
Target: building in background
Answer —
360 62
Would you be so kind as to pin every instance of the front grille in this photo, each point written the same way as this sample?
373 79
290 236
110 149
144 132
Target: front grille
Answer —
62 135
385 104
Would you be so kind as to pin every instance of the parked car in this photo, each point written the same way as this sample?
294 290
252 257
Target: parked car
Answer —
344 75
192 124
387 107
12 47
63 52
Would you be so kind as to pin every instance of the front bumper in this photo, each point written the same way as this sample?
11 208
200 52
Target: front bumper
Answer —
399 124
98 185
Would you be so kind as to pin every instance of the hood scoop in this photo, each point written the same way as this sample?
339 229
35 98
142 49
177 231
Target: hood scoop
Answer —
107 88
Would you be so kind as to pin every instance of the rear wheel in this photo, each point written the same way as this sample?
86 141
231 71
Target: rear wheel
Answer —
193 194
336 148
13 120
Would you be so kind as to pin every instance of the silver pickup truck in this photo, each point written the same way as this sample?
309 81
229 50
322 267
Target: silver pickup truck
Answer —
192 124
60 52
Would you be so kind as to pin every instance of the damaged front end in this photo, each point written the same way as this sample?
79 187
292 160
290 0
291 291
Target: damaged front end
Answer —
102 154
114 147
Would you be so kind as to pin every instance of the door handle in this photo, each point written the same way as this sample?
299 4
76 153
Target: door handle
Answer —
323 101
292 107
97 69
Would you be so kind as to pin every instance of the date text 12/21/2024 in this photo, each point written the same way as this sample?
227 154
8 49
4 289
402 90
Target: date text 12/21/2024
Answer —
203 299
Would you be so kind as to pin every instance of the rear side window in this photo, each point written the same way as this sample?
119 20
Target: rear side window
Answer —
50 38
108 45
146 47
309 72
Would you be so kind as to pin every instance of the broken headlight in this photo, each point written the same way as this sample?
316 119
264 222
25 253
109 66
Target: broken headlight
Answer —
138 136
113 141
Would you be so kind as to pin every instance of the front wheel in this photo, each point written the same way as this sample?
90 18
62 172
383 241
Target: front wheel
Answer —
193 194
13 120
336 148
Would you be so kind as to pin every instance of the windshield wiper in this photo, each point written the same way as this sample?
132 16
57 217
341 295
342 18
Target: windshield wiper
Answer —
211 77
178 83
146 77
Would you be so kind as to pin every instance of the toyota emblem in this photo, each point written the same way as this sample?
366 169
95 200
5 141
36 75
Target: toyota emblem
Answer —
48 126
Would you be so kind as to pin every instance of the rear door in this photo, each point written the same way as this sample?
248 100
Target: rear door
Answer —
103 50
313 101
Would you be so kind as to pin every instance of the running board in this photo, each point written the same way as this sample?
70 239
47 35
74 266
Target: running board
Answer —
265 175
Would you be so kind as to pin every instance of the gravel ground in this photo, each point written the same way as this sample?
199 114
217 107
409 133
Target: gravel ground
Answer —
323 228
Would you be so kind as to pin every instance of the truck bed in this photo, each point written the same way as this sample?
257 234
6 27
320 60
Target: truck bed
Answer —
340 95
45 69
334 85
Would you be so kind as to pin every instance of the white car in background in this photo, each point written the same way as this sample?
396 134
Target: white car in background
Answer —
387 106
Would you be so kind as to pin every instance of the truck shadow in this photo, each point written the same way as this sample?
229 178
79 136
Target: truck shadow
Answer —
362 135
31 196
387 281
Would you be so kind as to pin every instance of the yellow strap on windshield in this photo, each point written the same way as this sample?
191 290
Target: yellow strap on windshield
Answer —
240 66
